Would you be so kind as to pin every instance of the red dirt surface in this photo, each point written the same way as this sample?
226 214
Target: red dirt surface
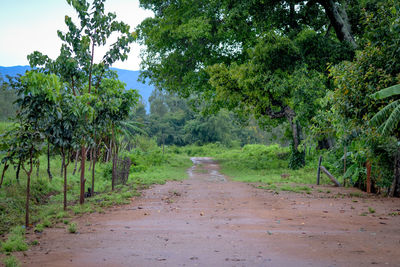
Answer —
208 220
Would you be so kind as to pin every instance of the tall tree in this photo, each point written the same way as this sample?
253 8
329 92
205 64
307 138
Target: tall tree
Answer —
248 56
76 64
36 97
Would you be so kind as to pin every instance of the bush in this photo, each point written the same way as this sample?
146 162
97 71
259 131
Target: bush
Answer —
15 241
72 228
297 159
11 261
39 227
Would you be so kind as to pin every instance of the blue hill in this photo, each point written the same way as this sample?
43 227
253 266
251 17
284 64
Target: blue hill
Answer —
129 77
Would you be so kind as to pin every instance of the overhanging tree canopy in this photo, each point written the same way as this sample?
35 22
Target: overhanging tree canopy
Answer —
248 56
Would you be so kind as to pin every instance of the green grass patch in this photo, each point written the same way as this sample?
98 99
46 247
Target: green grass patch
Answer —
260 164
15 240
371 210
11 261
72 228
267 165
355 194
296 189
150 166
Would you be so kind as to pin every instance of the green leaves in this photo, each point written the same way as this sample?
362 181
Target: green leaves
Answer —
387 92
387 118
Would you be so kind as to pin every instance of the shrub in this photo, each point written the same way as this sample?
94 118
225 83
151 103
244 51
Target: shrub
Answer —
15 241
11 261
39 227
72 228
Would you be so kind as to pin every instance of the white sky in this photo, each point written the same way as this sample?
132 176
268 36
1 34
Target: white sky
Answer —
31 25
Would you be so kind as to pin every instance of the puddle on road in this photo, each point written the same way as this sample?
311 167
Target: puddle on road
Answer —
205 168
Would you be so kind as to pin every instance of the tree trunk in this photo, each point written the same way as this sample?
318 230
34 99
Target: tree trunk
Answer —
28 188
28 195
48 162
109 151
290 114
91 67
339 21
83 160
76 162
395 188
18 170
91 158
3 173
65 178
368 166
65 165
94 155
112 147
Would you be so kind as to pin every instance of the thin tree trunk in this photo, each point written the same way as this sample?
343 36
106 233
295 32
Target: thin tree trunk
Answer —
94 165
65 164
109 151
344 160
18 170
48 161
91 159
293 125
112 147
76 162
368 166
65 178
3 173
163 141
395 188
28 188
83 160
91 67
28 195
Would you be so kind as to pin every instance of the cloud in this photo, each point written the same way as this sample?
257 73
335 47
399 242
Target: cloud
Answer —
32 25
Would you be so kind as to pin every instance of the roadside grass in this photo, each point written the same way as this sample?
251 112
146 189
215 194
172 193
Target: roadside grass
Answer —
266 166
172 169
11 261
15 241
47 196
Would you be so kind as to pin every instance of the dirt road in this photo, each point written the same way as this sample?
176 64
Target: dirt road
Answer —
208 220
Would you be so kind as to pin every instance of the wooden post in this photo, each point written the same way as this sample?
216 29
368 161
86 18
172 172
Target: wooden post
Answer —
333 179
344 160
344 165
319 169
368 165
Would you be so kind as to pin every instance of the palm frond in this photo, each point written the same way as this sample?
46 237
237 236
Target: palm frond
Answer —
387 92
380 117
132 127
392 122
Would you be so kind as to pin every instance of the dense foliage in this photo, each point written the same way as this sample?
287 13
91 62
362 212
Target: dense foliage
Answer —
310 64
172 121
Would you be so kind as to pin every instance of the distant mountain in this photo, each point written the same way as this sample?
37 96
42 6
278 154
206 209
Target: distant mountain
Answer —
13 71
130 77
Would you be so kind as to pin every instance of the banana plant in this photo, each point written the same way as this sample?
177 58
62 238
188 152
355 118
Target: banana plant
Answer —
388 118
